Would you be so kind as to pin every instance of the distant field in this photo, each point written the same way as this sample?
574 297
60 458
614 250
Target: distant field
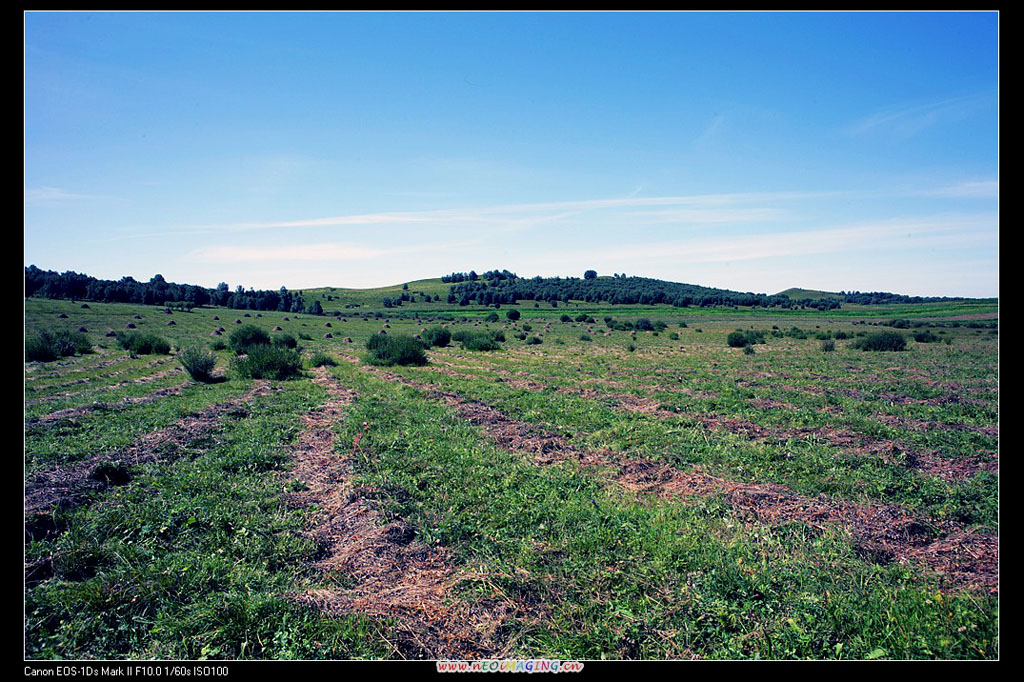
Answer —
595 494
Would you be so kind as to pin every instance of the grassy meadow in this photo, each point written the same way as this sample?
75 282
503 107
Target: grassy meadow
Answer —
583 492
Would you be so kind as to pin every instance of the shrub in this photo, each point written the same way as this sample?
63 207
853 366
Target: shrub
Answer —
143 344
397 349
46 346
218 345
585 337
267 362
322 360
285 341
512 315
882 341
481 341
533 340
198 363
748 350
738 339
247 337
491 317
643 325
827 346
436 336
841 335
925 337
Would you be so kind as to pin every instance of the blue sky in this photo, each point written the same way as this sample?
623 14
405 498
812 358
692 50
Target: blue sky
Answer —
752 151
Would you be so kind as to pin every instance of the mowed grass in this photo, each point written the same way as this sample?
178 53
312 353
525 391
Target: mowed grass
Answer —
199 556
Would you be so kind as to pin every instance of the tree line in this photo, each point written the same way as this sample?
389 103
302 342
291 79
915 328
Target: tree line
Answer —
158 291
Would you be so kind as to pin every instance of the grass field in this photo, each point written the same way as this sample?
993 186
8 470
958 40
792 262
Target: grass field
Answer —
601 494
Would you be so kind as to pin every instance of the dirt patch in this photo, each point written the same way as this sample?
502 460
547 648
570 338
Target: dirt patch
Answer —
397 575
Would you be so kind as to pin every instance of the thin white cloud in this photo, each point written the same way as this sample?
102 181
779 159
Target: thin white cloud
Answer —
281 254
47 194
981 189
911 119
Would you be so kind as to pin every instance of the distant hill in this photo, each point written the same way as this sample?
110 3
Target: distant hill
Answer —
797 294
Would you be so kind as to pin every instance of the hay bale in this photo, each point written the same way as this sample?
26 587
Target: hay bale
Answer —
287 319
62 316
136 317
221 329
247 315
82 330
346 340
111 333
327 324
216 317
129 326
171 323
238 322
215 333
328 335
84 305
276 329
387 326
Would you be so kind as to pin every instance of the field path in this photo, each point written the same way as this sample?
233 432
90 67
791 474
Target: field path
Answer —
964 557
397 576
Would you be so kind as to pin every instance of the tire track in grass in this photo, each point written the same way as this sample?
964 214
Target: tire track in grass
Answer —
397 576
964 557
69 414
146 379
62 487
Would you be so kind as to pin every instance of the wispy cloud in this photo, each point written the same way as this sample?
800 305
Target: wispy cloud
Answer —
915 233
50 194
980 189
910 119
324 252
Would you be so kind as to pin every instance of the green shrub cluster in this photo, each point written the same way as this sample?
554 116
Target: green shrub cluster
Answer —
198 362
477 340
247 337
322 360
436 337
143 344
264 361
882 341
397 349
742 338
46 346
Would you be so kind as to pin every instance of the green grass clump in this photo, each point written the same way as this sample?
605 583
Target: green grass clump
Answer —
198 363
534 341
247 337
322 360
268 362
882 341
46 346
477 340
828 345
926 336
742 339
285 341
436 337
398 349
143 344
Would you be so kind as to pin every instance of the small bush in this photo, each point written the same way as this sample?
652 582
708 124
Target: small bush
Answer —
925 337
585 337
827 346
643 325
436 337
748 350
267 362
46 346
882 341
478 340
143 344
322 360
534 340
742 339
243 339
285 341
218 345
841 335
512 315
397 349
198 363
